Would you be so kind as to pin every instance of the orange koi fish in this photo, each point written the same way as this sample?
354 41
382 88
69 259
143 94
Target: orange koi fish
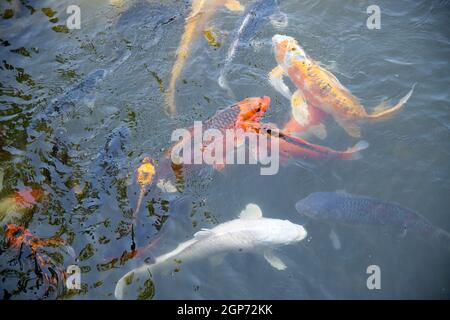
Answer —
319 88
145 174
28 197
237 116
202 11
45 268
19 235
14 207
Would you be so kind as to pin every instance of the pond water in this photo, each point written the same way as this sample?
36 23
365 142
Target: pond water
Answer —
81 108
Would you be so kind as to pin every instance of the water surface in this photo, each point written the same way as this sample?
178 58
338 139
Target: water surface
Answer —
89 203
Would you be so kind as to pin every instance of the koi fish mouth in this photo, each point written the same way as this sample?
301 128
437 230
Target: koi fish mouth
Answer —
286 48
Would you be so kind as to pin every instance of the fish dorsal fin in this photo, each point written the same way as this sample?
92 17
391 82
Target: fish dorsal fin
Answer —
203 234
251 211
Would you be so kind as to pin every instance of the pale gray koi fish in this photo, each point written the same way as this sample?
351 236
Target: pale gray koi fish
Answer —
250 233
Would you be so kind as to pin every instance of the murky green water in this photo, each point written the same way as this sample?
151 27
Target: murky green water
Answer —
89 184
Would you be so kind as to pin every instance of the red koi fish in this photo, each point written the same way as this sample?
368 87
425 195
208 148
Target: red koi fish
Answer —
240 115
28 197
295 147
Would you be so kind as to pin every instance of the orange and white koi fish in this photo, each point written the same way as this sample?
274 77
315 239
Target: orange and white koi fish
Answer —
319 88
202 11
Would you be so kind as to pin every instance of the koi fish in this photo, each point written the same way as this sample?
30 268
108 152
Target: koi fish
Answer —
291 147
254 18
345 208
202 11
18 237
250 233
153 16
84 90
28 197
236 116
320 88
145 174
169 169
14 207
113 156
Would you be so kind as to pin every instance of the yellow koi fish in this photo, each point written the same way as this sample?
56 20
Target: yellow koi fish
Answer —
202 11
318 88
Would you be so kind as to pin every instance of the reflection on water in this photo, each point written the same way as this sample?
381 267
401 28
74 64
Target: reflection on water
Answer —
81 109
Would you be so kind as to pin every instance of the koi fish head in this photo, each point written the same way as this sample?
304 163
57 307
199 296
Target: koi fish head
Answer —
252 109
286 50
16 235
145 172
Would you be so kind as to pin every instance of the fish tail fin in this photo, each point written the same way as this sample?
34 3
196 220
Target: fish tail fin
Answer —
127 283
387 113
354 153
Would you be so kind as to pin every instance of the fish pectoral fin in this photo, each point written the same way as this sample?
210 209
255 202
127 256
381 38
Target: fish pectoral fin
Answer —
193 16
351 128
335 241
276 81
217 259
203 234
251 211
234 5
273 260
299 107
